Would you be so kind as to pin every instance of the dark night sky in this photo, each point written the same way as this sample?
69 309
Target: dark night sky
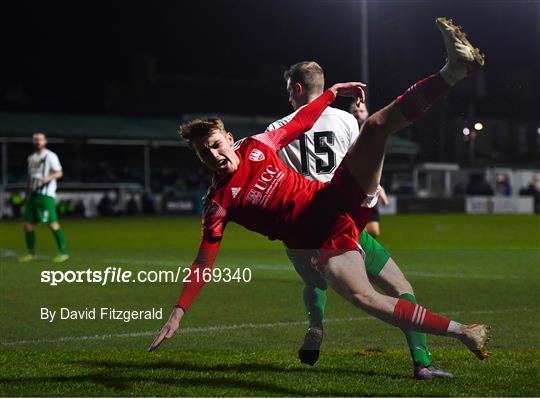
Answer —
165 58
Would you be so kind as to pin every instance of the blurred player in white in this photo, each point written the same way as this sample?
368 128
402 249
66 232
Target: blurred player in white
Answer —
44 169
316 154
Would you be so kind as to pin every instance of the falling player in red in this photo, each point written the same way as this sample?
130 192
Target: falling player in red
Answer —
253 188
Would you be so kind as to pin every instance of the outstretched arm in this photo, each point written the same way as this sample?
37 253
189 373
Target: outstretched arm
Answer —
306 117
204 261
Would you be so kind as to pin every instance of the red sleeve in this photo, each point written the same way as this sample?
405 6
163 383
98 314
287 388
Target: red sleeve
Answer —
213 224
204 261
304 120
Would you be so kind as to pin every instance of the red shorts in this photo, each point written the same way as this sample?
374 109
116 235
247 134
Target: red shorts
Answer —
333 222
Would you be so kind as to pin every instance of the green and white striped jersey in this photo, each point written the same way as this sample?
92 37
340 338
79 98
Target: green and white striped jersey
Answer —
40 165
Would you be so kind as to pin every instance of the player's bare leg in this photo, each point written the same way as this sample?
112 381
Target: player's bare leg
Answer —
365 159
392 281
374 229
346 273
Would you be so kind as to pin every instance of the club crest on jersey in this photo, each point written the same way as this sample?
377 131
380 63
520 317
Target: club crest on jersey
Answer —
235 191
254 197
256 155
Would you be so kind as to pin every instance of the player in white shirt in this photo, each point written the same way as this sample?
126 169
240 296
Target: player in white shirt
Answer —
44 169
316 155
318 152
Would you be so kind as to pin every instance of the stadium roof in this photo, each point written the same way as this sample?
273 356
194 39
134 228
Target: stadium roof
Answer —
75 126
18 125
92 127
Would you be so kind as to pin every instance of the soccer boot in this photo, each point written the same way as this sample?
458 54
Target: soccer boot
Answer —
27 258
462 57
459 48
437 372
311 348
422 372
476 338
60 258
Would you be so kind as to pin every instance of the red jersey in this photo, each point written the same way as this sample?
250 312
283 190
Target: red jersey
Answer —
266 196
263 195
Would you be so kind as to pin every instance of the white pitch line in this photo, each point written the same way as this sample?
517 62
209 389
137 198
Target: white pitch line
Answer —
460 275
228 327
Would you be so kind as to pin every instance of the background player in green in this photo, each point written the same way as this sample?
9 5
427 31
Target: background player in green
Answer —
44 169
316 155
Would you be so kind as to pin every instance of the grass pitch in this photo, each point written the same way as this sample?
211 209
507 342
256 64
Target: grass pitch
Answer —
240 339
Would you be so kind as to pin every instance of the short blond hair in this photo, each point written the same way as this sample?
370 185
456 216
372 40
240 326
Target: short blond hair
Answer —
309 74
200 128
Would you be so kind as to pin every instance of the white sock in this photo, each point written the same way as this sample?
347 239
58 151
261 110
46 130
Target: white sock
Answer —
452 75
455 328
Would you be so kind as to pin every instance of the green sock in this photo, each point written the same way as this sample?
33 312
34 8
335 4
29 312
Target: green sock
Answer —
30 238
60 240
315 302
417 341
